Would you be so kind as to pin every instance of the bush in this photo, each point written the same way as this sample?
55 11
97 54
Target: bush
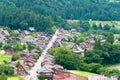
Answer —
93 67
6 70
18 64
35 56
15 57
43 77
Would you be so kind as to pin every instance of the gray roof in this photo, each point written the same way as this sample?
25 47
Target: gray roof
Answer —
45 70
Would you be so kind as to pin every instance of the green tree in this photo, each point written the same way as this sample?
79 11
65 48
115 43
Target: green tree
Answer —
84 25
75 39
96 58
65 58
82 39
1 45
15 57
97 43
6 70
30 47
110 38
17 46
43 77
18 64
94 26
107 27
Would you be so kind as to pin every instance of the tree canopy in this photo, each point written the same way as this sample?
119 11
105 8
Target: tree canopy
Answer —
44 14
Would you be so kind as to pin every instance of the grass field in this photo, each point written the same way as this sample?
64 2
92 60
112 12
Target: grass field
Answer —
14 78
116 23
81 73
4 57
114 0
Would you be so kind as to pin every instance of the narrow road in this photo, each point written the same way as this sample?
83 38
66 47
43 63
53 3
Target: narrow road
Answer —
33 74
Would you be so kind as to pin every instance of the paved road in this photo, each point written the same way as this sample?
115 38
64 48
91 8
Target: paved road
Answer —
33 74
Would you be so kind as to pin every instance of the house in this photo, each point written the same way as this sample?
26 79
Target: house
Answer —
22 70
101 77
62 75
10 50
116 39
70 21
48 62
79 52
29 61
73 31
45 71
57 68
4 32
16 31
31 28
61 30
74 46
25 33
49 56
90 37
76 49
57 44
34 51
102 38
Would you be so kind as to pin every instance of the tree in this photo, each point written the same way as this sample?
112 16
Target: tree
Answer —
94 26
82 39
106 27
114 54
110 38
97 43
43 77
1 45
30 47
18 64
6 70
65 58
84 25
93 67
18 46
75 39
15 57
96 58
100 26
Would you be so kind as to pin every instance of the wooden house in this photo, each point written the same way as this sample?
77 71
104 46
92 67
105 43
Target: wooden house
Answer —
21 71
45 71
29 61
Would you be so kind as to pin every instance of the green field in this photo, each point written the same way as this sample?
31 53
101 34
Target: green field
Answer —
5 57
116 23
114 0
82 73
14 78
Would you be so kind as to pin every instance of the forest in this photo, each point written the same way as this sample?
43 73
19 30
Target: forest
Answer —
22 14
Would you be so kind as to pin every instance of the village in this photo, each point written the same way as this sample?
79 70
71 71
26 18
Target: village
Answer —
36 42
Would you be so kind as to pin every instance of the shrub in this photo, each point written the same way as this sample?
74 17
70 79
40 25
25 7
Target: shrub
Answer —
15 57
43 77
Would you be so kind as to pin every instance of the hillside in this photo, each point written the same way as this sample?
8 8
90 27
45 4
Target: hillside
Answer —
24 13
68 9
